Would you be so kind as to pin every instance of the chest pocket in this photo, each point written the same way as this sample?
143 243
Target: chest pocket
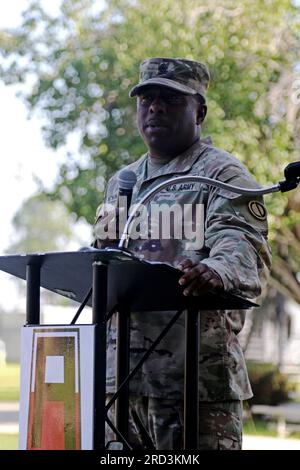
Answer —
181 216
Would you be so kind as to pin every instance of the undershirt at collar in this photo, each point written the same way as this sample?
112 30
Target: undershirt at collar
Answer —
154 164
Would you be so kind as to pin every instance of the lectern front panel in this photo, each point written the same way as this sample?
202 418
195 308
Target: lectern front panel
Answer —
57 377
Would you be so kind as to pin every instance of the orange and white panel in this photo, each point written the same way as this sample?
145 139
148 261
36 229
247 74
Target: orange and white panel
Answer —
57 383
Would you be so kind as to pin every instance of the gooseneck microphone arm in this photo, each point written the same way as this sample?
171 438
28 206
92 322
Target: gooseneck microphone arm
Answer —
291 173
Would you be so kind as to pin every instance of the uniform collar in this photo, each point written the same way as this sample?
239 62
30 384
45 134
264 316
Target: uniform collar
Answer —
183 162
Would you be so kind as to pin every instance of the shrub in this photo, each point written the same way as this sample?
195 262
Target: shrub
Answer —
269 385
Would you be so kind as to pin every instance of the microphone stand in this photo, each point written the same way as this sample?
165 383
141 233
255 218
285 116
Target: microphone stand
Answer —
292 179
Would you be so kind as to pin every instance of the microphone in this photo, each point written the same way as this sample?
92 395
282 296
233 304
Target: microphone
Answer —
114 218
292 177
292 170
126 180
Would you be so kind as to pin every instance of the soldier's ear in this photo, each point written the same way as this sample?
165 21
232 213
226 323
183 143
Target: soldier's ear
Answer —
201 113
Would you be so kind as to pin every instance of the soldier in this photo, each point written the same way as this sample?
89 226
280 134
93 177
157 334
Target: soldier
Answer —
235 257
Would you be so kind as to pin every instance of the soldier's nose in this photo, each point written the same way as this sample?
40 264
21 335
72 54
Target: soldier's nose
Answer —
157 106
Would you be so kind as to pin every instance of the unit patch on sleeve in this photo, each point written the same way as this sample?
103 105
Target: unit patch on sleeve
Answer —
258 210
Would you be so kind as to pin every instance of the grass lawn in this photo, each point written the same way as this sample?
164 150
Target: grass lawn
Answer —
8 441
260 427
9 382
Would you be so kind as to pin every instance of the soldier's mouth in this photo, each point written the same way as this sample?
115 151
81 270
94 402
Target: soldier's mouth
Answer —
154 124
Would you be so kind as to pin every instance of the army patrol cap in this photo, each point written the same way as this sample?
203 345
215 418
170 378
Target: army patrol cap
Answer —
185 76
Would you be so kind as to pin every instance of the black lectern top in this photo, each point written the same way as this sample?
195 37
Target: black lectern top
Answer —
142 285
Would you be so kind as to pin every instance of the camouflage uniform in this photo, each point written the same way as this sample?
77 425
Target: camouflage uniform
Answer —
220 424
236 248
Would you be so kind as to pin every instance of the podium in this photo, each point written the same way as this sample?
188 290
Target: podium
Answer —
63 368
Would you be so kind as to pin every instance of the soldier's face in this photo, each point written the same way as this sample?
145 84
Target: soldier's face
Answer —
168 121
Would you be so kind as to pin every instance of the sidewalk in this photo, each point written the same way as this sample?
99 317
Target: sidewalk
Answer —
9 417
269 443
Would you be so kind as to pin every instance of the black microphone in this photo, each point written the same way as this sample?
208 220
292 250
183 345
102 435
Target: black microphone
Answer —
292 171
126 180
292 177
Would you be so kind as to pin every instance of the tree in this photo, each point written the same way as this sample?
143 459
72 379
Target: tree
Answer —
42 225
85 61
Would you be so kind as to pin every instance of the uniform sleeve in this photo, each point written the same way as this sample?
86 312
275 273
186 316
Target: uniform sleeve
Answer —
236 235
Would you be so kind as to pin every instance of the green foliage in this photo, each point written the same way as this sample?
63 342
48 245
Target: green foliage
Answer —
41 225
269 385
83 63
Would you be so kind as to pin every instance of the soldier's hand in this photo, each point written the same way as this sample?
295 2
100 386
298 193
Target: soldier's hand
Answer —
198 278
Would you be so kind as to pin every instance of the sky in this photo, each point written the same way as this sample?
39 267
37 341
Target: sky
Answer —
22 150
